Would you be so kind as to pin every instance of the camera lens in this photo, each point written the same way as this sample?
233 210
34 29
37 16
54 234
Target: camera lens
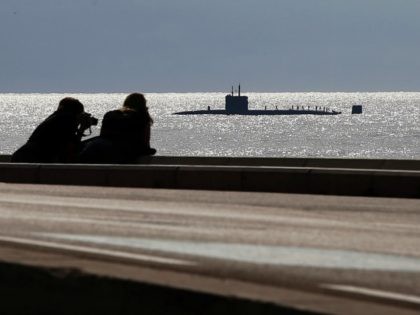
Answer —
93 121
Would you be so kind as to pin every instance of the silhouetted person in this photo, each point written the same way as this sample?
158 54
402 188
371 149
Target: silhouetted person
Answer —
57 138
124 136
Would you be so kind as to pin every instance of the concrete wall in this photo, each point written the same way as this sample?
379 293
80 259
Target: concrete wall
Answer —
4 158
308 180
288 162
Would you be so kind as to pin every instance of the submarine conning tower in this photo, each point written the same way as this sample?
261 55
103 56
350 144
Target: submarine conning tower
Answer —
236 104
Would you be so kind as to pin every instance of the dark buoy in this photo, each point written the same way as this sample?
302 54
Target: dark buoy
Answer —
356 109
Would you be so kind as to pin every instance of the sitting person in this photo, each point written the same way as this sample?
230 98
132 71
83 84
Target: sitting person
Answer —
124 136
57 139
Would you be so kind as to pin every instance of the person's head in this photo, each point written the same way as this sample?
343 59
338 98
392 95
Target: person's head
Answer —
137 102
70 105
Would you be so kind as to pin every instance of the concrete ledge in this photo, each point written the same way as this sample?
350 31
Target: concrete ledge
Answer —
347 182
19 173
395 183
141 176
72 175
285 162
306 180
281 179
4 158
210 177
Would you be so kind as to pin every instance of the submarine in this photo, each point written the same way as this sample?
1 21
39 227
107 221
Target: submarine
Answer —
238 105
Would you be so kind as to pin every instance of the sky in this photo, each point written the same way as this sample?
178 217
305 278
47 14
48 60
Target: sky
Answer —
205 46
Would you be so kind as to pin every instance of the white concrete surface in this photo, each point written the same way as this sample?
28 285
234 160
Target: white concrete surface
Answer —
365 248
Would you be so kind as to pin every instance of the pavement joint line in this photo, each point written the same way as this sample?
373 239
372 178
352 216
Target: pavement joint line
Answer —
412 299
93 252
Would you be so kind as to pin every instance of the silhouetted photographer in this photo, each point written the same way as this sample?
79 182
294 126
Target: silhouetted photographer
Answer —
57 139
124 136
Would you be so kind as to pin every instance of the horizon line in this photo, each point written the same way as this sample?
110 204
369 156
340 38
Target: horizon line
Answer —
204 92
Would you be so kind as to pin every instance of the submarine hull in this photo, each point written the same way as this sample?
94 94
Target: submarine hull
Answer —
260 112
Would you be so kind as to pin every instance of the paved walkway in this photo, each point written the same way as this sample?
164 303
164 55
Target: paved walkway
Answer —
330 254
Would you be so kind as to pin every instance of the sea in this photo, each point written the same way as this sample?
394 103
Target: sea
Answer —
388 128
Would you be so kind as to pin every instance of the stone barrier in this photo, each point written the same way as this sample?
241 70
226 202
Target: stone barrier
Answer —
267 161
306 180
4 158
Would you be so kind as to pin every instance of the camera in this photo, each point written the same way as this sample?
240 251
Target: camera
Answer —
88 120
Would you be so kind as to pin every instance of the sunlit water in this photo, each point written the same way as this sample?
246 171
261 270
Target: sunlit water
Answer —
388 128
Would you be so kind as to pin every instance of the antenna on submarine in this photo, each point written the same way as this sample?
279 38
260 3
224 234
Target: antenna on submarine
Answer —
239 90
232 90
